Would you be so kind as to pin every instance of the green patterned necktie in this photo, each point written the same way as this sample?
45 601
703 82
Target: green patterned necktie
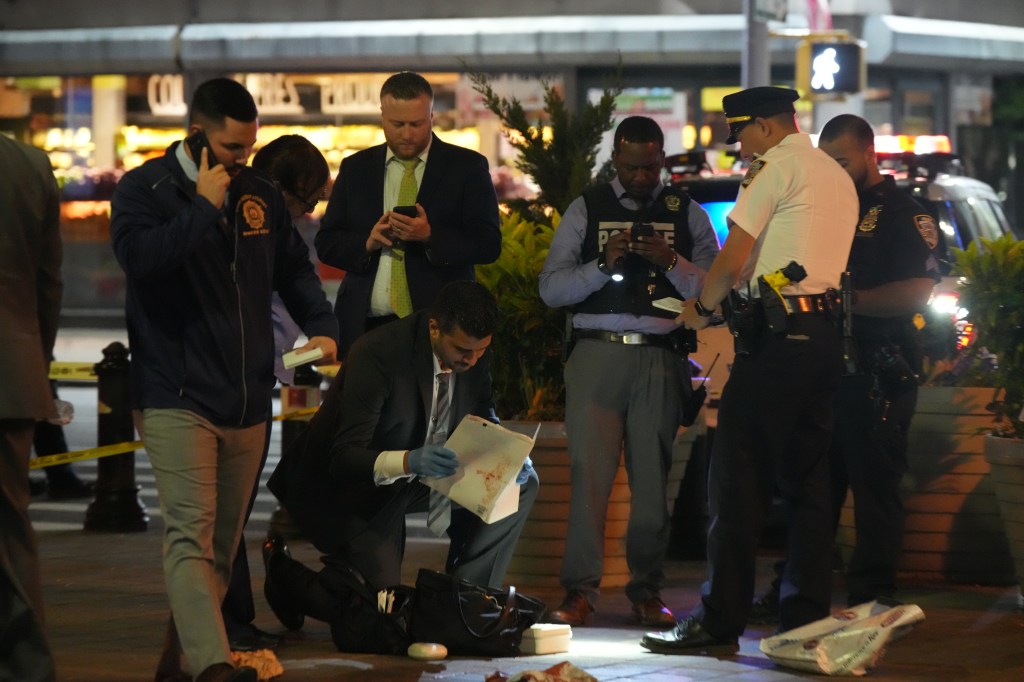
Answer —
401 301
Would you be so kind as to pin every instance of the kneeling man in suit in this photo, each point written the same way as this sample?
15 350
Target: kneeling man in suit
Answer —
356 472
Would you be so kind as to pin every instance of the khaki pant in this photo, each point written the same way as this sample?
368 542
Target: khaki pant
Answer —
204 476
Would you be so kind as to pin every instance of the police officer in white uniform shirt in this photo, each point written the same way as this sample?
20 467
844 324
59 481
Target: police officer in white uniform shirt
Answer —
795 205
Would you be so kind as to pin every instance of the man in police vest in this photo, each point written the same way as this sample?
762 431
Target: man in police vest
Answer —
619 248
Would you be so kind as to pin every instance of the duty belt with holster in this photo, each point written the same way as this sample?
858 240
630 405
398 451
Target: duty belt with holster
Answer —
747 318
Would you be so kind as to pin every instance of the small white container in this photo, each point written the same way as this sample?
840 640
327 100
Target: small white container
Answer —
546 638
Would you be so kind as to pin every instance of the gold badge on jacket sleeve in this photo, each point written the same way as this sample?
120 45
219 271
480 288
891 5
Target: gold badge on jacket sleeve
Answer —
672 202
870 220
254 211
926 227
755 167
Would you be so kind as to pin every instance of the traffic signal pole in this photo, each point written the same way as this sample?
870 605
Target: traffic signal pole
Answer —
756 67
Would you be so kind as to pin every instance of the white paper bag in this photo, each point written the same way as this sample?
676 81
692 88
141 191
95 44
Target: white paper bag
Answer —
847 643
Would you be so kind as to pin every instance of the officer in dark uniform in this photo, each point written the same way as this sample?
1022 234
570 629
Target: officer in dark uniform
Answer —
894 268
776 413
619 248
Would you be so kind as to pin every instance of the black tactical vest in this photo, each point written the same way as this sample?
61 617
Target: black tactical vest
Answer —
643 281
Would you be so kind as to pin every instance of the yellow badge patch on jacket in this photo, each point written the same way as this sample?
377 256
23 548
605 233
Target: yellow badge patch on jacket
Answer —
254 211
672 203
927 229
870 220
755 168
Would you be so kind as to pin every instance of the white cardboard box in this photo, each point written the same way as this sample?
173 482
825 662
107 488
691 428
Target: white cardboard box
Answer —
546 638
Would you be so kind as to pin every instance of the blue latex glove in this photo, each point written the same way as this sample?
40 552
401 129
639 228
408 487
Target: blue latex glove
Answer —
524 473
433 461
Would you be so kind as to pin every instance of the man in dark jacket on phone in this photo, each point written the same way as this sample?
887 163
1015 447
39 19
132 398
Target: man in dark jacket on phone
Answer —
204 242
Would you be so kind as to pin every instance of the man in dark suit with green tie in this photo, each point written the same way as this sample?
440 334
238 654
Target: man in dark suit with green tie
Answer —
397 261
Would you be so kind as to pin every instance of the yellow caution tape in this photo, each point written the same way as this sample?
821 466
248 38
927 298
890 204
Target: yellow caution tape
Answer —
297 414
91 453
73 371
122 448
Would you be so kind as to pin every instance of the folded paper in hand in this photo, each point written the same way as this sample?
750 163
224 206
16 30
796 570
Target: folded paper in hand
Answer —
673 305
490 457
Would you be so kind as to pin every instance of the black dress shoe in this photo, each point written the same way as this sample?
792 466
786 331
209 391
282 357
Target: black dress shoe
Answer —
248 637
289 616
765 611
652 613
575 610
689 638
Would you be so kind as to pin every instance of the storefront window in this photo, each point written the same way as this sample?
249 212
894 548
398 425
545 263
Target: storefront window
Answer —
96 128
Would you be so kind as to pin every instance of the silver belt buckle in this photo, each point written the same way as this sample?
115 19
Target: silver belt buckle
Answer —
633 339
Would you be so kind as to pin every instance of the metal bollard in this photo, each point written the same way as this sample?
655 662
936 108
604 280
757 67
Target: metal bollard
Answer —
304 392
116 508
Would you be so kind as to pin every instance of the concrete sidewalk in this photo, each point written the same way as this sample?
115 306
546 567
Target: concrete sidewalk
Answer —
107 609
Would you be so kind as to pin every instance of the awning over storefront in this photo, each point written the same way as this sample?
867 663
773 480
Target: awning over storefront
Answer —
134 49
442 43
942 45
520 42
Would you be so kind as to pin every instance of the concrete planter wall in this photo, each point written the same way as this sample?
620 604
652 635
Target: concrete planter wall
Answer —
1005 456
538 558
953 529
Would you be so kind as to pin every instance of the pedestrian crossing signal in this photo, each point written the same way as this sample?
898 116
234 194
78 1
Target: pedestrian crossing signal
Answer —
830 69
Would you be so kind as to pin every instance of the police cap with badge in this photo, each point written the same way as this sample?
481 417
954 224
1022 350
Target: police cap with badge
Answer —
744 106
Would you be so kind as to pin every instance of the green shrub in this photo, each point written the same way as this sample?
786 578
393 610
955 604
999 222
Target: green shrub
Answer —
993 294
526 365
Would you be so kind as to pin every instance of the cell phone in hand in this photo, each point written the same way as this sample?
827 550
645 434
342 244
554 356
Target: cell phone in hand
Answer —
408 211
641 230
196 142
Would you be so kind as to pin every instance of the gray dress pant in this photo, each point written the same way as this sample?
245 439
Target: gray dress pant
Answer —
620 399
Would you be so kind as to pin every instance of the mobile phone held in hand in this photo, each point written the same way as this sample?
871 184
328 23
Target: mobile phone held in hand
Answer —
408 211
641 230
196 142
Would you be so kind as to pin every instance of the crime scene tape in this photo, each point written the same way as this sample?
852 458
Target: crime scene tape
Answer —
129 446
73 371
78 455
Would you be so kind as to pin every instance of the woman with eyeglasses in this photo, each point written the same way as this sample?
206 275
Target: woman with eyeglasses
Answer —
301 174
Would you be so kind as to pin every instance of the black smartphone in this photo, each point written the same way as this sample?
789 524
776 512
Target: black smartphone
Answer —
641 230
196 142
409 211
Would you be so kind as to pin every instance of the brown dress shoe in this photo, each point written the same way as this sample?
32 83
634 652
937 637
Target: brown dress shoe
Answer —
575 610
652 613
